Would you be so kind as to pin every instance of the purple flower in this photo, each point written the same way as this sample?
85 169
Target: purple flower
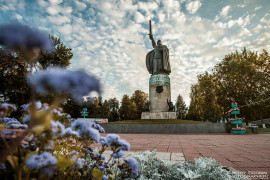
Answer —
25 107
44 162
17 126
8 133
114 140
119 154
124 145
2 166
69 132
133 165
104 177
19 36
26 119
56 112
7 119
25 146
6 109
57 128
63 81
85 129
110 138
89 132
102 140
78 161
10 121
99 128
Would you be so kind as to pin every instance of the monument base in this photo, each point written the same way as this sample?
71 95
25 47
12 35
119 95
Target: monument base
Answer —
158 115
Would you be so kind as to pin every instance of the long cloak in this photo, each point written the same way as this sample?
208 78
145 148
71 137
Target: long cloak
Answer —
165 61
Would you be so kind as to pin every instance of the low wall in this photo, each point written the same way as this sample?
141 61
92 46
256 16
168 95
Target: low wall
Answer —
166 128
260 122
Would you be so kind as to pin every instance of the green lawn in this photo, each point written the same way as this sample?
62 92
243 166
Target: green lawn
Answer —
156 121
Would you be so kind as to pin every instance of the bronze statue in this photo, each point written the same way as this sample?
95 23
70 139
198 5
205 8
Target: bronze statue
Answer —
146 106
171 106
157 60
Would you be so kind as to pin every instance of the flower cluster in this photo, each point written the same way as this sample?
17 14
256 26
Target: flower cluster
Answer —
6 109
44 162
75 83
19 36
118 146
85 129
52 147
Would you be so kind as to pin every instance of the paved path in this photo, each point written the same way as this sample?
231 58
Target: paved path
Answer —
242 152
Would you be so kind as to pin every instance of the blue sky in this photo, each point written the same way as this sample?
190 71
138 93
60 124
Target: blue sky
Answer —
109 38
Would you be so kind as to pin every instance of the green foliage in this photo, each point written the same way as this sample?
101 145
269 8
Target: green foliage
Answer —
181 108
244 78
60 57
128 109
139 98
241 77
131 107
203 103
96 108
73 108
14 69
69 154
13 83
114 109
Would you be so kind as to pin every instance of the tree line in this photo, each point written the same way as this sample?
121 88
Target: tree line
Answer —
241 77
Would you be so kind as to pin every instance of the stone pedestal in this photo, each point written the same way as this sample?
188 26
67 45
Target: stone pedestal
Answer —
159 93
158 115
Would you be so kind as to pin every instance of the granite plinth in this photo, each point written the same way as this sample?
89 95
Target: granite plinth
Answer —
159 93
158 115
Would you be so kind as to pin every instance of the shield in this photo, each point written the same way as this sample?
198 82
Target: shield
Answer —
159 89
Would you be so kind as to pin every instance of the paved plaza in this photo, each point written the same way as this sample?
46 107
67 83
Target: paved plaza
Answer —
250 152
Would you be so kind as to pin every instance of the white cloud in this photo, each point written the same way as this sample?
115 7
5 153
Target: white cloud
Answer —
193 6
58 19
139 18
55 1
80 5
18 17
52 11
257 8
65 29
225 10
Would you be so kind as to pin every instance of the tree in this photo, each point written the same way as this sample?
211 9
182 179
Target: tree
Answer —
61 56
244 78
128 109
72 108
181 108
13 84
104 109
203 103
14 71
240 77
114 109
139 98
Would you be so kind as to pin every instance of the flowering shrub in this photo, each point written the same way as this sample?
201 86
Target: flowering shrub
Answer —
46 143
53 150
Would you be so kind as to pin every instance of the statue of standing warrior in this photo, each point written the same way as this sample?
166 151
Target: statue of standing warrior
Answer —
157 60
